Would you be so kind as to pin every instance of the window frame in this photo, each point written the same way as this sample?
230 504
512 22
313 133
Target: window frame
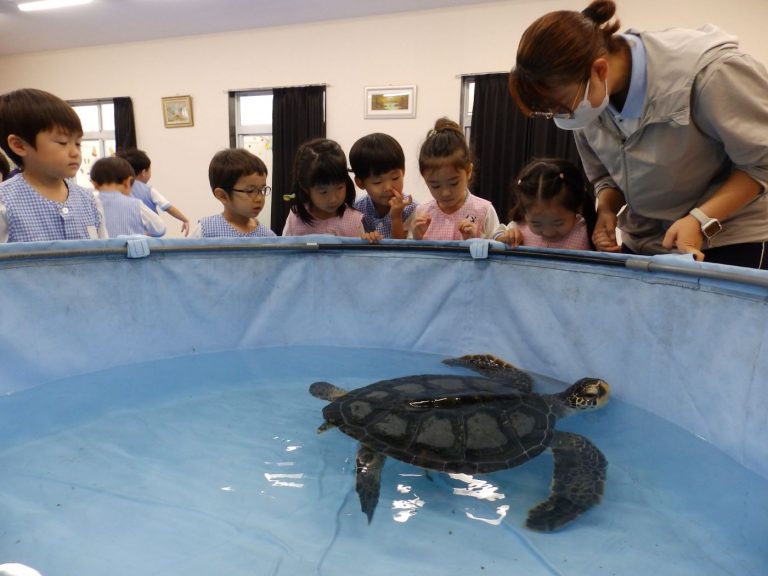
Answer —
240 131
101 135
467 100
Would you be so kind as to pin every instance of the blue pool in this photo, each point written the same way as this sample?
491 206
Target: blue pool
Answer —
155 415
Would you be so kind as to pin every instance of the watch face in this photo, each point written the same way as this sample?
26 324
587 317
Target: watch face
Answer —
711 228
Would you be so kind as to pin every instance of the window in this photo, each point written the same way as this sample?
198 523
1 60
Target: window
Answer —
467 103
253 125
98 120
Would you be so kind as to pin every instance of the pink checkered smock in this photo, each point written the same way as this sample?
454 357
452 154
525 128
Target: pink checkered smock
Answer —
349 224
577 239
446 226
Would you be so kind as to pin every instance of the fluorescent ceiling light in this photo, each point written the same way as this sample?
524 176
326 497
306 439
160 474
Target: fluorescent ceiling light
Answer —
50 4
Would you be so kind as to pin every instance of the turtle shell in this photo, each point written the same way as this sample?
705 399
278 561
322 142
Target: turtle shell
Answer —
457 424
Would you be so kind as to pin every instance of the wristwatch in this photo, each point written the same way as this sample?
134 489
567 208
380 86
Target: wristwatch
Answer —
710 227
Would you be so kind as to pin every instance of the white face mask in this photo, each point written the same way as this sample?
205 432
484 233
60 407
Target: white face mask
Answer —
584 114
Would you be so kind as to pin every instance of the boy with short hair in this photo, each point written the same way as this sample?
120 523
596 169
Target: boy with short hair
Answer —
41 134
125 215
378 163
149 195
238 180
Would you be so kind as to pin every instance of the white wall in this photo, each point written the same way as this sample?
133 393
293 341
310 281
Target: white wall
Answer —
430 49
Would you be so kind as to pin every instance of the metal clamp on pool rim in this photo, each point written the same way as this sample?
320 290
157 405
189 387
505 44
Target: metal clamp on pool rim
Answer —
137 248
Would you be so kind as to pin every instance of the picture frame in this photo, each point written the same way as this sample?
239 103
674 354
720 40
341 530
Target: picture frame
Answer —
177 111
390 101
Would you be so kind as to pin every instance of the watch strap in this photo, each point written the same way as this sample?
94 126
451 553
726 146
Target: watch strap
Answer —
700 216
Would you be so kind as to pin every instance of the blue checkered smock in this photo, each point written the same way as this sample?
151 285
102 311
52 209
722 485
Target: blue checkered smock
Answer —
33 218
217 227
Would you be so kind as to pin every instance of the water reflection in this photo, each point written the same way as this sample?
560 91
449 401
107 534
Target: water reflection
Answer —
406 509
285 479
476 488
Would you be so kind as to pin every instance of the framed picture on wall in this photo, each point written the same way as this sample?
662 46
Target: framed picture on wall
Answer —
390 102
177 111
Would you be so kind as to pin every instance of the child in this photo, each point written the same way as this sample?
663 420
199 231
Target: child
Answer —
552 208
323 193
141 189
238 180
454 213
378 163
41 134
125 215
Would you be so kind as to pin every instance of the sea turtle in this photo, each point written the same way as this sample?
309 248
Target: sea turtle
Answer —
472 424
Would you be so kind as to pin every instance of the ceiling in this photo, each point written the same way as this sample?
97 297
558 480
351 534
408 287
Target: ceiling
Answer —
117 21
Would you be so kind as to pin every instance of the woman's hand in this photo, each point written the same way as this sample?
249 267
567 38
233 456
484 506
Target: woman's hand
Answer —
604 234
685 235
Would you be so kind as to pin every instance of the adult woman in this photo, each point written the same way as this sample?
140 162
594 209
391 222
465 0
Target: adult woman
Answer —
671 125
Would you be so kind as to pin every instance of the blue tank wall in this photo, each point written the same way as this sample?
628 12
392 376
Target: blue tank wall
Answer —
687 347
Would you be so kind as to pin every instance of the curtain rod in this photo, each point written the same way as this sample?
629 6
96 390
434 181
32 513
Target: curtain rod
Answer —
275 88
481 74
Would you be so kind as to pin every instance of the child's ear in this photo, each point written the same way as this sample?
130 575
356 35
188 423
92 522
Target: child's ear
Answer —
128 182
359 183
221 194
18 144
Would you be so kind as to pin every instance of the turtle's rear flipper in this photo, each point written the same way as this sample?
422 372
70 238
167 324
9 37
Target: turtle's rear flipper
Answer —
368 465
577 482
496 369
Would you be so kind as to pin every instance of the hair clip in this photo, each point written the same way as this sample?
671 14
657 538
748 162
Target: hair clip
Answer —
562 176
288 197
431 133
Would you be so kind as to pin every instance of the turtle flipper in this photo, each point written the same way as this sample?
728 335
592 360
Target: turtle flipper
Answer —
496 369
368 465
577 482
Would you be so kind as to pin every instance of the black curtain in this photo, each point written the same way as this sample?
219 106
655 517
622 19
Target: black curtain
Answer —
503 140
125 127
298 115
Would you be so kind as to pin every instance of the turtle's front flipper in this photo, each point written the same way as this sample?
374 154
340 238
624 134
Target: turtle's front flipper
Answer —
496 369
577 482
368 465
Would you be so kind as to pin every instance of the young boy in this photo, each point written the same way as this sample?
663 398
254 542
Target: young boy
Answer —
238 180
41 134
149 195
378 163
124 214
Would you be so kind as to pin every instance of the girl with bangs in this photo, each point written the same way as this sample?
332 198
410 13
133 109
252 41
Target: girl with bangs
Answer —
323 193
454 213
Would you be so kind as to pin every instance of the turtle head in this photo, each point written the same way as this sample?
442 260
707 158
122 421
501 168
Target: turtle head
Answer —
586 394
326 391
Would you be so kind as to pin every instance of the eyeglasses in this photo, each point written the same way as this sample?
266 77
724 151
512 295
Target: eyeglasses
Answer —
251 192
560 115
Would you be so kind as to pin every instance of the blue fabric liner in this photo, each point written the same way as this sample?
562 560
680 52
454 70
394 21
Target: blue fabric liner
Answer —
689 348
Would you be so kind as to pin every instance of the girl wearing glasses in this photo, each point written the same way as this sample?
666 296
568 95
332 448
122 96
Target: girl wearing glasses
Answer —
671 127
323 193
238 180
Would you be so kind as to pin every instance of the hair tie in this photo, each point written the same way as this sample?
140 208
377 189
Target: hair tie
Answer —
431 133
